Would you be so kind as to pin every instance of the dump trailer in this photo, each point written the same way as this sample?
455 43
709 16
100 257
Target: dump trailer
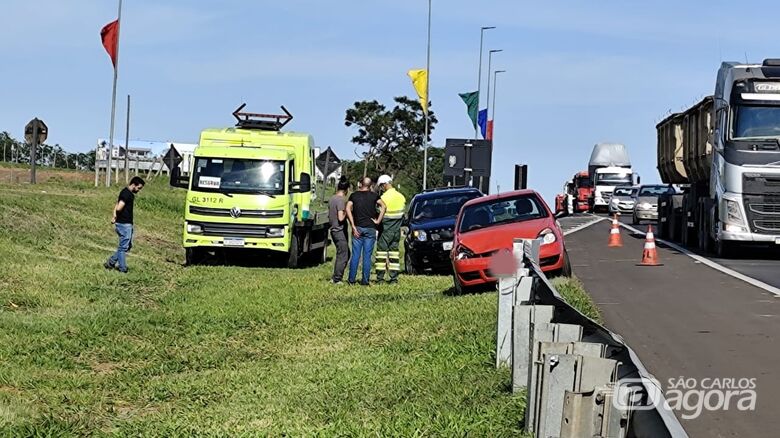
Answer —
250 188
725 153
609 167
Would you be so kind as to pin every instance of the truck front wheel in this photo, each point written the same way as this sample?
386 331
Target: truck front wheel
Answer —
193 256
294 255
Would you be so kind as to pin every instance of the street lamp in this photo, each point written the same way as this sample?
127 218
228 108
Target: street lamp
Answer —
490 62
428 97
479 77
495 88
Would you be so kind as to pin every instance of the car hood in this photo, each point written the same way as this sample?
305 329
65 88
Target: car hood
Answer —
502 236
623 198
433 224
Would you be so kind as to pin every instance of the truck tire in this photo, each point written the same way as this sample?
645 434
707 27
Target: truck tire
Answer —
193 256
293 259
724 249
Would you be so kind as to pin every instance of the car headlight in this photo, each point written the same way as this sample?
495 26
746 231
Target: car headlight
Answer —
615 202
194 228
463 253
733 212
420 235
644 206
275 232
548 236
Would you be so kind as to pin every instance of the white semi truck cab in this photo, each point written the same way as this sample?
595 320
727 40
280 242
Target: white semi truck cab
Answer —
727 150
606 179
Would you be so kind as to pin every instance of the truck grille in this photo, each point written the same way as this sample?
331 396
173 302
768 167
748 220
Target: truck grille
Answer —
224 212
232 230
763 213
442 234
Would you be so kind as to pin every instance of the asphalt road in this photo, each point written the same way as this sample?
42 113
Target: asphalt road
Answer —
760 263
685 319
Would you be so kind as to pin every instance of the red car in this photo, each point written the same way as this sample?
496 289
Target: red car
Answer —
486 226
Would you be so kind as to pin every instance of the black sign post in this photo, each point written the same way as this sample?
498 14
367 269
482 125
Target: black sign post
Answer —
521 176
35 133
469 162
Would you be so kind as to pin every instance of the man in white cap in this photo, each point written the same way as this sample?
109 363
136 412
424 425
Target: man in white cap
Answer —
387 255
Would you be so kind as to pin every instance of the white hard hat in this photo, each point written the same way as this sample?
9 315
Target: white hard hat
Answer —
384 179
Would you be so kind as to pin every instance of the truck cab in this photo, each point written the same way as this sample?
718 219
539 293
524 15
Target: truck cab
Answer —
605 180
250 188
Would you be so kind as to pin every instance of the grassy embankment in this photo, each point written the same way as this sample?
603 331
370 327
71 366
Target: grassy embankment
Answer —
223 350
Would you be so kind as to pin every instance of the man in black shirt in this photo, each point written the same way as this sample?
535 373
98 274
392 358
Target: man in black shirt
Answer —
364 218
123 222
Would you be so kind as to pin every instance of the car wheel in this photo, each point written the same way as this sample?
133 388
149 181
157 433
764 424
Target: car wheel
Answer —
409 266
459 289
634 220
566 270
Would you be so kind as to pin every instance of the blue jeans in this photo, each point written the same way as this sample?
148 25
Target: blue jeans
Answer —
125 233
363 245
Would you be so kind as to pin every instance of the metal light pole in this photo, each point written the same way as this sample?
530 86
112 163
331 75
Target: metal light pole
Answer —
495 88
427 96
113 101
490 62
479 77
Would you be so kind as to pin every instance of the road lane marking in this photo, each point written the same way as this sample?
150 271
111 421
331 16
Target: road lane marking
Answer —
583 226
717 266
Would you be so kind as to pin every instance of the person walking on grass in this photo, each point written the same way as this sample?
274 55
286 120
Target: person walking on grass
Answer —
364 218
122 219
339 229
387 255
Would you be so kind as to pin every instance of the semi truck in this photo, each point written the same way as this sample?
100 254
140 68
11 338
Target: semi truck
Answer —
250 188
609 167
576 194
725 154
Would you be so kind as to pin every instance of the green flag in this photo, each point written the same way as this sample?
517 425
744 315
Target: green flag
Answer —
472 104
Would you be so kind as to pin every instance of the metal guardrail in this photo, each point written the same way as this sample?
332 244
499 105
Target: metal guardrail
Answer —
581 379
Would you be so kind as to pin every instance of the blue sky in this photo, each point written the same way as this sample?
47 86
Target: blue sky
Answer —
579 72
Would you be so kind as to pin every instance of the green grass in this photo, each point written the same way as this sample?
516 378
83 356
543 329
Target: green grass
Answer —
223 350
574 293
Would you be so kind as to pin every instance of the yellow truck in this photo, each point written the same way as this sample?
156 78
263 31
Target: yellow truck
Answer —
250 188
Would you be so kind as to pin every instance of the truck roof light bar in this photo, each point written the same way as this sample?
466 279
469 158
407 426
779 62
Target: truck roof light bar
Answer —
265 122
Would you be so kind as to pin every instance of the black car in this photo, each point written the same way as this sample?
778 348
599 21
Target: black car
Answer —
430 221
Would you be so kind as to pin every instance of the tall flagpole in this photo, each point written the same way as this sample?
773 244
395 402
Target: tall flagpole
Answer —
479 77
495 88
428 99
127 143
113 99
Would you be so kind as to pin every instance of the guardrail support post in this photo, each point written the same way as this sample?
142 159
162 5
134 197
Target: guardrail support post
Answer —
523 319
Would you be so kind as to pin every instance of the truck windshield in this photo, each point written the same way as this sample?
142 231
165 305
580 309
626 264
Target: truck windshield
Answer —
613 179
583 182
501 211
756 122
440 208
231 175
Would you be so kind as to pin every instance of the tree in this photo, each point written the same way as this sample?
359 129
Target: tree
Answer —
393 141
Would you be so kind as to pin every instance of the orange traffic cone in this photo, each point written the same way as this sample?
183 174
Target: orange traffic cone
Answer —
615 241
650 254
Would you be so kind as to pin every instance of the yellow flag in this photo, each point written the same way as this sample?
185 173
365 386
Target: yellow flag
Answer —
420 82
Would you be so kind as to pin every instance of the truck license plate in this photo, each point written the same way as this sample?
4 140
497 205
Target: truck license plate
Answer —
447 246
233 242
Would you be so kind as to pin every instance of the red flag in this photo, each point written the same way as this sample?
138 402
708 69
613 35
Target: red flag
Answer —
490 130
110 36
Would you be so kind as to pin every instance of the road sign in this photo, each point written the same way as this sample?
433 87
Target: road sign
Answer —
172 158
30 132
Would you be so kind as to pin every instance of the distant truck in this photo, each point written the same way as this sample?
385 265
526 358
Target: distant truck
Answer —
576 195
725 151
609 167
250 187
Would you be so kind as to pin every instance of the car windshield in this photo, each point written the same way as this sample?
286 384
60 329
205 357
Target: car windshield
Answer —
441 207
238 176
613 179
757 122
622 191
501 211
655 190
